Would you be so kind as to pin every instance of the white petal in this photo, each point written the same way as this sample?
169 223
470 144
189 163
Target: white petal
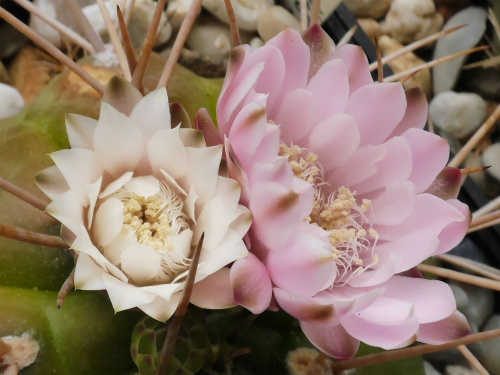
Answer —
141 263
145 186
92 192
80 131
167 152
203 171
152 113
170 181
51 182
192 138
118 143
68 210
114 249
190 204
88 275
125 296
79 167
181 243
117 184
161 309
108 221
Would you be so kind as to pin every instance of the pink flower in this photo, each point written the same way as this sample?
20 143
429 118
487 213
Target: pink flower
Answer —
335 169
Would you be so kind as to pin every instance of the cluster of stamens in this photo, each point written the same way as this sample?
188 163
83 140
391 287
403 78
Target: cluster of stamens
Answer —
351 234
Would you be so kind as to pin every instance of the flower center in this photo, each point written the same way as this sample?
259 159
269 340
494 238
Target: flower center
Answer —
155 218
351 233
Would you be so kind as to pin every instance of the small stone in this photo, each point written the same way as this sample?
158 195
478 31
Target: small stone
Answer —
429 369
369 8
459 114
459 370
409 60
176 11
411 20
274 20
247 12
484 82
445 75
474 302
487 352
11 101
326 7
370 27
139 22
210 37
491 156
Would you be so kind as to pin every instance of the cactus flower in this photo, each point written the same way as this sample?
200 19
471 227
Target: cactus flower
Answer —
134 194
335 170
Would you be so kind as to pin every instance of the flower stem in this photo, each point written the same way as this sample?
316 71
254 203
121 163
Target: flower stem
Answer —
392 355
472 360
23 194
32 237
316 9
68 285
127 42
85 25
175 325
235 33
479 268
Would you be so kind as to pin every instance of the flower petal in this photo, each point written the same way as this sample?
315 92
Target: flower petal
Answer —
141 263
214 291
252 287
451 328
165 147
152 113
357 65
108 221
332 340
123 153
80 130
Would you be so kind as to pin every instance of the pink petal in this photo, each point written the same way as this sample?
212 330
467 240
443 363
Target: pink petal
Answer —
304 266
124 152
412 248
377 109
204 123
330 88
252 287
451 328
357 65
385 212
395 166
294 123
332 340
456 230
387 336
388 265
296 57
360 166
305 309
386 310
430 154
349 300
214 291
277 210
416 112
433 299
334 140
321 47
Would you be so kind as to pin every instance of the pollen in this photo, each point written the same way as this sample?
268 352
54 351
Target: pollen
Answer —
304 163
154 219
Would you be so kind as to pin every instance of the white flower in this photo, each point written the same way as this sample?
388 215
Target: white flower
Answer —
134 195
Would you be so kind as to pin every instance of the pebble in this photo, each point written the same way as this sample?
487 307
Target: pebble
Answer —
459 114
409 60
429 369
474 302
139 21
176 11
411 20
326 7
488 352
370 27
247 12
369 8
491 156
212 38
11 101
484 82
445 75
275 19
459 370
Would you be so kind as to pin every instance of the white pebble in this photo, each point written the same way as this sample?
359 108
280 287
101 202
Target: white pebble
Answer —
411 20
491 157
274 20
459 114
247 12
11 101
445 74
369 8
